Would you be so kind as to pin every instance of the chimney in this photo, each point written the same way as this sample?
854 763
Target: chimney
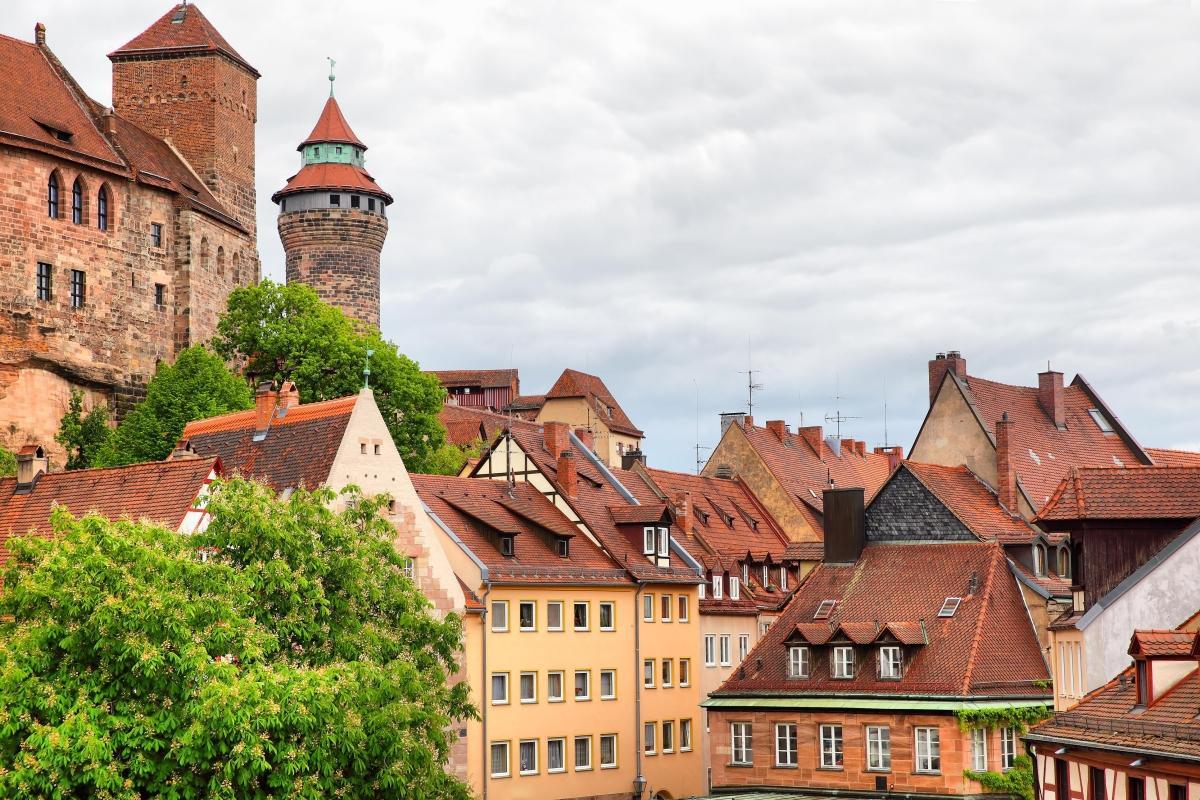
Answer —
730 418
860 448
587 438
1006 478
747 422
265 399
940 365
554 434
109 120
39 34
845 525
568 478
724 471
1050 395
31 462
631 457
681 504
779 428
811 434
835 444
183 449
895 454
289 396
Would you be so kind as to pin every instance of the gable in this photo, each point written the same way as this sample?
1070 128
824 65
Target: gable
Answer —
952 435
904 510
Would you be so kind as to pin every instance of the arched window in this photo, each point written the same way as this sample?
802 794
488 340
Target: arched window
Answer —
77 201
204 253
1064 562
102 208
237 267
52 196
1039 559
221 261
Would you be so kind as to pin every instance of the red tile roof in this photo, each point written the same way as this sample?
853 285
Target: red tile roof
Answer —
973 502
1164 457
334 178
573 383
479 510
160 491
466 424
987 648
478 378
1132 493
299 448
1160 643
332 127
182 30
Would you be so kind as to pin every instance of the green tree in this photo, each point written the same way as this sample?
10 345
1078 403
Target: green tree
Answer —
293 660
83 435
8 462
284 332
198 385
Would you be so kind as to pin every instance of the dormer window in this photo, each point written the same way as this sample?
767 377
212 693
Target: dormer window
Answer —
564 547
1142 682
735 589
718 591
891 662
648 540
506 546
1039 559
825 609
664 542
745 572
766 576
950 605
783 579
1064 563
843 662
798 664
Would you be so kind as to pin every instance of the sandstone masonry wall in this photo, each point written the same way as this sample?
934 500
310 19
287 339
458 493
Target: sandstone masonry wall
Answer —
336 252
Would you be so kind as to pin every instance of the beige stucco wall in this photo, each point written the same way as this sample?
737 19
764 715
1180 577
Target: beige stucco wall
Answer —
952 436
576 412
711 678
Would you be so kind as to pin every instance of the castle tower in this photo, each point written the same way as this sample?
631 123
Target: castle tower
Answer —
332 219
181 81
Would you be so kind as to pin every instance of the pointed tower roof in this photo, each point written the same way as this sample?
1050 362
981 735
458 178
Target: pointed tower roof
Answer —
182 30
332 127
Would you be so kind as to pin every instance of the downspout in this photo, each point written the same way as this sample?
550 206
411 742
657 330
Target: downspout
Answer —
639 679
484 700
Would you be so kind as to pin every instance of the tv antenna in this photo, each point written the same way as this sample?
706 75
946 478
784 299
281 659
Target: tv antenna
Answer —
699 447
751 386
886 443
838 418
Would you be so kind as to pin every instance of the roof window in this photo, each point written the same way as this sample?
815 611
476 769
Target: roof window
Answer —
825 609
949 607
1101 421
506 545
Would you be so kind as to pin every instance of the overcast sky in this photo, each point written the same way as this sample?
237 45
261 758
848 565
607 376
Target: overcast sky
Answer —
644 189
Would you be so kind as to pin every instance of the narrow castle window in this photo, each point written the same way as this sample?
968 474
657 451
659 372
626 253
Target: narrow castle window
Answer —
52 196
77 202
370 204
78 288
156 234
45 290
221 261
102 209
160 295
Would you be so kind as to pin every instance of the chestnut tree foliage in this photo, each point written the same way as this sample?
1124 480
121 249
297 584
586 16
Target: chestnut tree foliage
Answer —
280 654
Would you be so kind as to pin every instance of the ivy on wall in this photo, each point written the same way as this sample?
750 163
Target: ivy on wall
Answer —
1018 781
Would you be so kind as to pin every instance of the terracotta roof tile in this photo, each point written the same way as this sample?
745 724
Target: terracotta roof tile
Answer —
1166 492
183 29
1169 643
332 127
973 502
1164 457
334 178
465 424
573 383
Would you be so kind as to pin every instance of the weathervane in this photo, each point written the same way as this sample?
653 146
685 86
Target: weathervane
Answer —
367 370
331 76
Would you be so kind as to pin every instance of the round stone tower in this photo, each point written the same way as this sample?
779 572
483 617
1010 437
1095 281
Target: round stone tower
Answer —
333 219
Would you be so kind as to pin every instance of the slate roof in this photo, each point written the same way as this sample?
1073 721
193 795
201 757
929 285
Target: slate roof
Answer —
988 648
573 383
181 31
478 511
973 502
299 448
159 491
332 127
1166 492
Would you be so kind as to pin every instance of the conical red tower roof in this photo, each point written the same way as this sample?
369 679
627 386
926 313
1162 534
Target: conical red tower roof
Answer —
332 127
181 30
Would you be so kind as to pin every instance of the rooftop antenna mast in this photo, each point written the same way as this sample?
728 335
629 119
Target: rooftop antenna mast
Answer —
838 418
751 386
886 443
699 447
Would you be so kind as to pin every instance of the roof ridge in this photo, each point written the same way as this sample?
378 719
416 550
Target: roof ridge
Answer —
1080 501
90 472
985 603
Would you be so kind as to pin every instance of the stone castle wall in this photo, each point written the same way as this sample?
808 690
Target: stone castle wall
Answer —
336 252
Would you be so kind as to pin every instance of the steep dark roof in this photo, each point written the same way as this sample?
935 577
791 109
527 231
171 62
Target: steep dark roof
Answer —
181 31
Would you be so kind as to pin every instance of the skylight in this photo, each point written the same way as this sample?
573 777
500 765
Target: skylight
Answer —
825 609
1101 421
949 607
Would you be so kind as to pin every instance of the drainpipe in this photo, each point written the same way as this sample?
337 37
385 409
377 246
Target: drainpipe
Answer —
484 697
638 681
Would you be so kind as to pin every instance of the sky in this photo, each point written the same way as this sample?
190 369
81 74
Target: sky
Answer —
669 193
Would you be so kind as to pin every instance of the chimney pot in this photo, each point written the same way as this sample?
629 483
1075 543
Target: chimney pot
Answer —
554 435
568 478
951 361
682 505
265 400
39 33
31 462
895 454
747 422
587 438
1050 397
631 457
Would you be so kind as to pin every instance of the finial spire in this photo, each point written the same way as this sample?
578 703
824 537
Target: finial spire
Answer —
367 370
331 75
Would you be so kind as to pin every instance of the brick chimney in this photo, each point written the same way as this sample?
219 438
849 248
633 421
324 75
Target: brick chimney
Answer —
895 454
942 363
779 428
109 121
32 461
681 505
265 400
1006 477
860 448
39 34
289 395
747 422
845 525
568 478
1050 395
813 435
587 438
554 434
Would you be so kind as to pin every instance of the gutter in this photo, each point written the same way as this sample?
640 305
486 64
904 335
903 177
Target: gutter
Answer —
639 680
1139 751
859 702
485 700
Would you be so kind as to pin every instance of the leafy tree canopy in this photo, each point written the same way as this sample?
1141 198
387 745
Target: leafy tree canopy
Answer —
284 332
294 661
84 435
198 385
8 462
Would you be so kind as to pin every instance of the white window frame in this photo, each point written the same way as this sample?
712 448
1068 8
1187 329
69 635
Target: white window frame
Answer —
667 736
664 607
496 606
927 751
666 673
684 610
648 670
521 770
685 736
647 608
507 760
531 604
891 662
562 686
879 748
664 542
741 743
587 685
783 579
735 588
562 754
979 753
587 615
532 676
787 739
743 646
649 538
833 746
553 604
608 764
710 649
842 658
507 692
725 643
718 592
650 738
1008 748
612 615
766 575
702 590
799 662
685 672
612 674
575 753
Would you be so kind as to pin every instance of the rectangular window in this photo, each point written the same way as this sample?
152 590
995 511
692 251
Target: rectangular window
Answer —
668 667
1135 789
499 615
156 234
665 616
685 672
785 745
648 673
797 662
1177 791
583 684
843 662
648 608
527 615
668 736
160 295
608 684
45 281
608 617
685 735
554 687
499 688
527 752
1008 748
78 288
608 750
648 540
335 199
580 619
740 740
879 748
735 588
500 760
355 201
1096 788
664 542
528 687
783 579
831 746
556 755
890 662
554 615
370 204
583 753
725 657
710 650
683 608
743 646
979 749
718 592
929 750
649 738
